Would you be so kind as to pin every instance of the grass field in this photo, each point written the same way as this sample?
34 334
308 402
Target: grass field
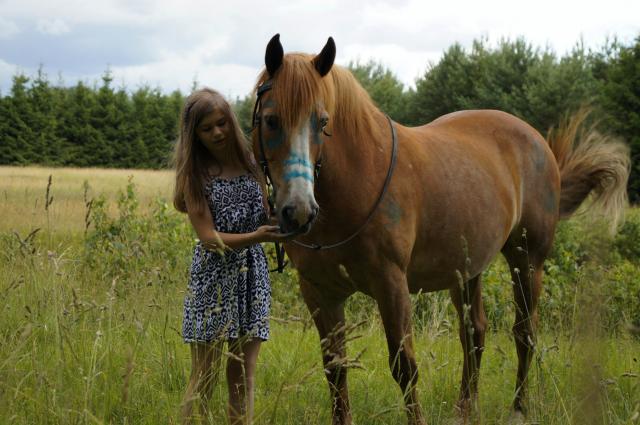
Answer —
23 189
89 328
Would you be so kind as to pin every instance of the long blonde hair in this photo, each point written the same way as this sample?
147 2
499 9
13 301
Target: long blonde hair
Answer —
191 158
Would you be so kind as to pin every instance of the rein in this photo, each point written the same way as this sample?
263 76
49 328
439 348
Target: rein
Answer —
266 86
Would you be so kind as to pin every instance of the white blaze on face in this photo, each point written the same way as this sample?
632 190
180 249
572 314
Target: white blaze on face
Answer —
298 175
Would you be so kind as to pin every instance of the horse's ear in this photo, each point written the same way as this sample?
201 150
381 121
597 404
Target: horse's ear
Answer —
274 54
324 60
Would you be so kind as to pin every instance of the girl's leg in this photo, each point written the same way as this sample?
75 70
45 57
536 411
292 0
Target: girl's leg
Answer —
205 368
241 367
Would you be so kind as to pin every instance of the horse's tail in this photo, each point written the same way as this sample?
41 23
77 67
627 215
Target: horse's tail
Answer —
590 161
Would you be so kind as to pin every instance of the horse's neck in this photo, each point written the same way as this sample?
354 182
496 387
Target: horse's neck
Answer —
359 131
355 167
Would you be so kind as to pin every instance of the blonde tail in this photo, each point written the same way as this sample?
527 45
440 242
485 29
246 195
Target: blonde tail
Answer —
590 162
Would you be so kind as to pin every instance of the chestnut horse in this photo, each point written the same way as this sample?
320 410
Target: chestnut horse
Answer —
460 190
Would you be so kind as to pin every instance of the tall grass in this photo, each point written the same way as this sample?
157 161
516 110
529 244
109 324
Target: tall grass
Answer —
89 325
23 189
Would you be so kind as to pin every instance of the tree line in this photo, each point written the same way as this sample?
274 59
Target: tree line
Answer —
101 125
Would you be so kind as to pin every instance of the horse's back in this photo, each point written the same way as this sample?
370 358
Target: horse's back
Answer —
491 138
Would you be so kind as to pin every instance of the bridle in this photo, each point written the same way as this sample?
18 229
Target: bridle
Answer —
257 125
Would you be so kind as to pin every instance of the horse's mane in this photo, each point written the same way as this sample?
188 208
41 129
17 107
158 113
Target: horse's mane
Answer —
298 87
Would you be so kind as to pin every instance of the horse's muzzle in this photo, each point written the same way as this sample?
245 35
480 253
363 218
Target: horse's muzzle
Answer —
297 221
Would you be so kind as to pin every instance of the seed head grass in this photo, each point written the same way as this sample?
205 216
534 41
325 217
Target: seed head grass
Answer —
90 323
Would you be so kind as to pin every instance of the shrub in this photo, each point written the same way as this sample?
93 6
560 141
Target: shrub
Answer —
147 249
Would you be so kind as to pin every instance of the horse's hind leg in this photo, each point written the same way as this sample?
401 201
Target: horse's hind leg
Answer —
525 255
328 315
473 322
392 296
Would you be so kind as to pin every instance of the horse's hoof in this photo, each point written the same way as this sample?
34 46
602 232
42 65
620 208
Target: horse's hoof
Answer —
517 418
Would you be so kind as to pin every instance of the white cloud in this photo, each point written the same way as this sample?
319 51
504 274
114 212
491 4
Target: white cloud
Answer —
52 26
407 65
72 11
179 73
8 29
168 42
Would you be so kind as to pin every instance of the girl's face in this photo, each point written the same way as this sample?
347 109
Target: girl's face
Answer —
214 132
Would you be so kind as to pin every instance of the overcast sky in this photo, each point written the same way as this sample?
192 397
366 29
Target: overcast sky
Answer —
170 43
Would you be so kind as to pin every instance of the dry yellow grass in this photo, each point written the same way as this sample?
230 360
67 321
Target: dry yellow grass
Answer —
23 189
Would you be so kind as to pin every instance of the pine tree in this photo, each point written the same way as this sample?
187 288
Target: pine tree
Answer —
10 153
43 122
86 144
17 136
122 136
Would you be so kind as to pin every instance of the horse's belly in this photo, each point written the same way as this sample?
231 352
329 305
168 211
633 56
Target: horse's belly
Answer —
460 244
435 272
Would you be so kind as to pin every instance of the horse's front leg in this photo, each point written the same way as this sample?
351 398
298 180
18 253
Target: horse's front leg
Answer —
328 315
392 296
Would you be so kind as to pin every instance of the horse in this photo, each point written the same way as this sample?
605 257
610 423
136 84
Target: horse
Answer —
389 210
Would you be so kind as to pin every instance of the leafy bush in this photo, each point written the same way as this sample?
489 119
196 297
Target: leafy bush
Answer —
149 249
627 241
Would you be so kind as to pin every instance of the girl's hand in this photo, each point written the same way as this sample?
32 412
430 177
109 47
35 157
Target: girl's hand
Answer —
269 233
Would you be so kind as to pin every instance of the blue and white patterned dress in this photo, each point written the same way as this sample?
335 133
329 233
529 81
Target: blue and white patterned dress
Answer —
229 296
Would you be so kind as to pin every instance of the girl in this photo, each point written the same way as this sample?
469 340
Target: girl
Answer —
220 188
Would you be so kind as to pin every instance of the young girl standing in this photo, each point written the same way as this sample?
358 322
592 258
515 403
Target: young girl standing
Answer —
219 186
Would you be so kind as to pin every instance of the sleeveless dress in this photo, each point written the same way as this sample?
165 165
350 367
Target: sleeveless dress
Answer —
229 296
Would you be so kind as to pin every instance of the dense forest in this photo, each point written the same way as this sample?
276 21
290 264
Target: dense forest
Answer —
105 126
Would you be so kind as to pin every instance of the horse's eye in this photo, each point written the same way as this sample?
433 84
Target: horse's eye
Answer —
272 122
323 122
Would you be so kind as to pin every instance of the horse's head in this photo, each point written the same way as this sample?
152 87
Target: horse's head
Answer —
292 112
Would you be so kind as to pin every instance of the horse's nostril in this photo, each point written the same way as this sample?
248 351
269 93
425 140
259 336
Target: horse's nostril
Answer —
288 213
313 214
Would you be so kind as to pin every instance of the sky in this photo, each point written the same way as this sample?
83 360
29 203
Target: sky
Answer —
172 43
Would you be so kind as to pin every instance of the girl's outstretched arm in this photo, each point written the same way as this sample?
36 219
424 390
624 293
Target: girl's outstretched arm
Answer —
211 239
